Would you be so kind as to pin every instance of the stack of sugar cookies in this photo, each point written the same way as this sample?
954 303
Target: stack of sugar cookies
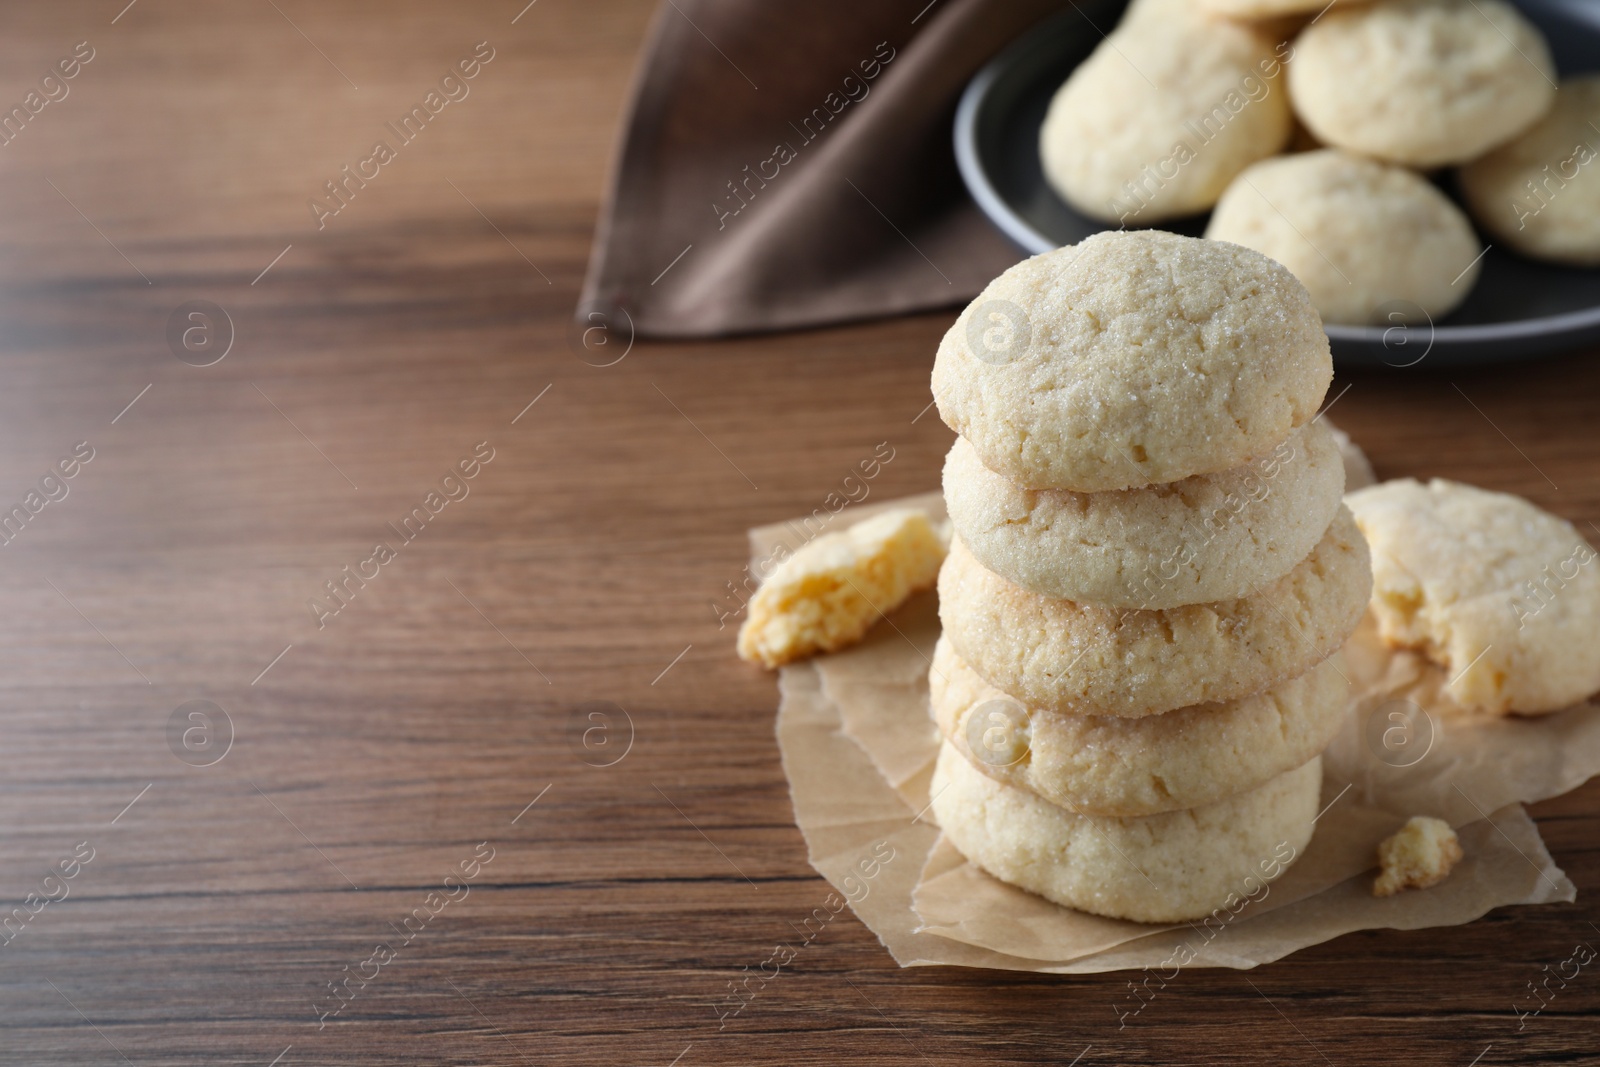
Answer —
1150 578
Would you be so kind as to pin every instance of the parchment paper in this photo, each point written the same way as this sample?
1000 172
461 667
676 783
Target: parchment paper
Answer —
858 747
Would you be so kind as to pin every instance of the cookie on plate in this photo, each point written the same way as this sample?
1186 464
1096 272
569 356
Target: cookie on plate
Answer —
1157 121
1209 537
1086 659
1421 82
1132 358
1173 867
1503 596
1367 239
1540 193
1108 766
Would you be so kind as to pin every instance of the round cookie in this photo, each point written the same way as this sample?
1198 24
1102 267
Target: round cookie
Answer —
1421 82
1366 238
1132 358
1157 121
1085 659
1209 537
1503 596
1107 766
1173 867
1540 193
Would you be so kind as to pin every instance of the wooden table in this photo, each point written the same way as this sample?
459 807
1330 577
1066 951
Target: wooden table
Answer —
246 860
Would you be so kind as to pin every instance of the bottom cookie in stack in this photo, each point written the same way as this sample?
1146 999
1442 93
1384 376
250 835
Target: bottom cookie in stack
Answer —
1172 867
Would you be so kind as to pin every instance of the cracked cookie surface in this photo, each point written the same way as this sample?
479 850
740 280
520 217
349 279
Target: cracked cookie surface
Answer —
1087 659
1421 82
1163 114
1540 193
1130 359
1368 239
1108 766
1504 596
1209 537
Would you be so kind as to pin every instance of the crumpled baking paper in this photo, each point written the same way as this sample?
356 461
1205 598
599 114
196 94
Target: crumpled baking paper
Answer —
858 747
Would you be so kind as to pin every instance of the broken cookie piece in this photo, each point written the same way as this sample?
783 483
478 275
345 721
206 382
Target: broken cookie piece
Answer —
1418 855
1503 596
829 593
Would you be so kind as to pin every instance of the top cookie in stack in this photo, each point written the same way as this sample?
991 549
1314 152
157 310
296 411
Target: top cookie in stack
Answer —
1132 359
1150 574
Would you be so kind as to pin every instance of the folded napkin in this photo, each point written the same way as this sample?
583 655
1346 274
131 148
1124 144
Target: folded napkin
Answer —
788 164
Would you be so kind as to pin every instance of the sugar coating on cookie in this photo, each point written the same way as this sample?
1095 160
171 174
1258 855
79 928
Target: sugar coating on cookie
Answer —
1162 115
1109 766
1087 659
830 592
1540 193
1418 855
1369 240
1132 358
1504 596
1172 867
1421 82
1208 537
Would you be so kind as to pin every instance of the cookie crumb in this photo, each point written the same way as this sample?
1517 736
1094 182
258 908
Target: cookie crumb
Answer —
1418 855
829 593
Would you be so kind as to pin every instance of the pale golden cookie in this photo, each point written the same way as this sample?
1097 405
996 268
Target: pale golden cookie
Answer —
1367 239
1131 359
1209 537
1157 121
1503 596
1173 867
1421 82
1084 659
1540 194
1101 765
830 592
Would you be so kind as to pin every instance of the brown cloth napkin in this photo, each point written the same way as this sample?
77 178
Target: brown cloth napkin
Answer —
788 164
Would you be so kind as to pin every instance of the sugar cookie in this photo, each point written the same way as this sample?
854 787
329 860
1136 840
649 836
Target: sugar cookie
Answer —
1173 867
1540 193
1108 766
1162 115
1503 596
1089 660
1132 358
1421 82
1209 537
1367 239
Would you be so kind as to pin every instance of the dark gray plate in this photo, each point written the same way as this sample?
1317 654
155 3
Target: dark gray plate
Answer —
1519 307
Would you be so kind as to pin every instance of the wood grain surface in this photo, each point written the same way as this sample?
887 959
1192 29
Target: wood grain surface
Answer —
406 737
